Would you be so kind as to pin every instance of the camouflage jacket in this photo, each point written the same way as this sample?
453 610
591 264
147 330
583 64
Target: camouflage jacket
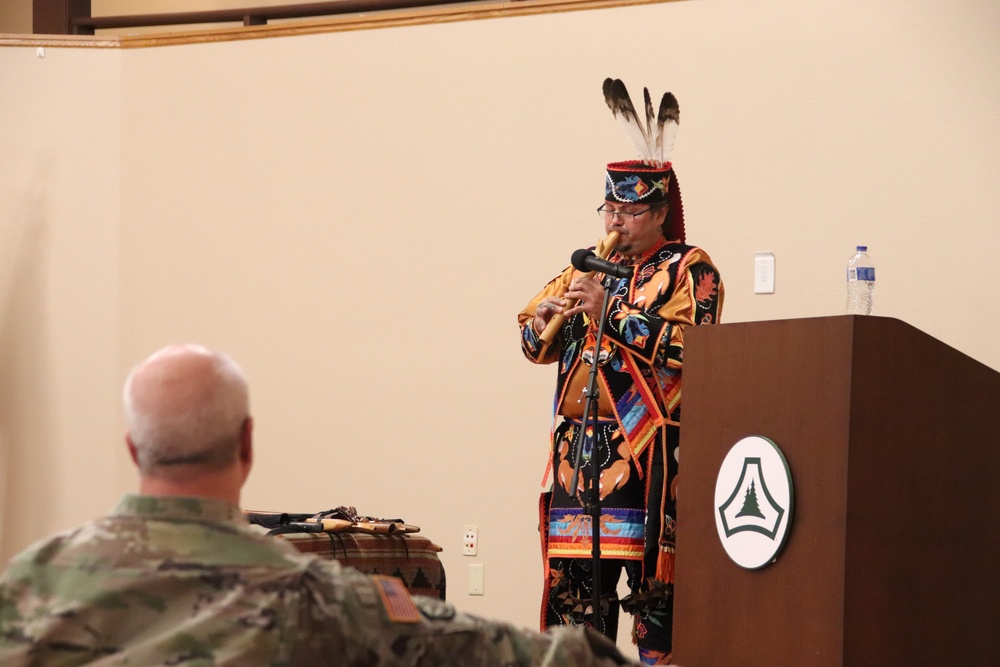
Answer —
182 581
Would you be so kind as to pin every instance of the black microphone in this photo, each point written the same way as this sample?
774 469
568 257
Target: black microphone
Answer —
586 260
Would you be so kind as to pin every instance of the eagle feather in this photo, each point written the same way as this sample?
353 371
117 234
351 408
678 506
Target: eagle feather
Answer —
652 146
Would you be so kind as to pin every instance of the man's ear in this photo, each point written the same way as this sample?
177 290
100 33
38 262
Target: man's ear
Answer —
246 442
131 449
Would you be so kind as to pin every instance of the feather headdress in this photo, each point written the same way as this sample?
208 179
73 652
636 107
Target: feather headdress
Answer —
650 179
652 136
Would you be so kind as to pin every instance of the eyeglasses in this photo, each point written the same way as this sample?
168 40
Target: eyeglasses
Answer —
609 213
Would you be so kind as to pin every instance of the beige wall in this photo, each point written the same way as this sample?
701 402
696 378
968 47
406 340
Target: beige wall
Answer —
60 179
359 216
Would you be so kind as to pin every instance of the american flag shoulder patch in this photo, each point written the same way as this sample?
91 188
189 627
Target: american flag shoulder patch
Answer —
396 600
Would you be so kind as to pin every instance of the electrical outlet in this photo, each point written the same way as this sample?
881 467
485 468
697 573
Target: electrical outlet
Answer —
470 541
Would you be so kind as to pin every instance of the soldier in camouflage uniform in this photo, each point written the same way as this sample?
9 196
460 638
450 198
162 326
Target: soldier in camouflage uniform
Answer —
176 576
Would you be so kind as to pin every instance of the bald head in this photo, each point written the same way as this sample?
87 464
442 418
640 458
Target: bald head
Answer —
186 407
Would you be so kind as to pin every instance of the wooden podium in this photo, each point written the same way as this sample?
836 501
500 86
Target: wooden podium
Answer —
893 442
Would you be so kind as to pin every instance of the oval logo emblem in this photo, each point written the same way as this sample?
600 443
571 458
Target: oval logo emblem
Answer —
753 502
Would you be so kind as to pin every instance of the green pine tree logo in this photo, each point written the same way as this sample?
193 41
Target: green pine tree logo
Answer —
750 505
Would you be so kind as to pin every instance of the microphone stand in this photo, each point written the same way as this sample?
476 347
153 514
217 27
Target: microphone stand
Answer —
592 500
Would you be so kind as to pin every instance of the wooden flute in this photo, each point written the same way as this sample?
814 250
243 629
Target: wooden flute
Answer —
603 250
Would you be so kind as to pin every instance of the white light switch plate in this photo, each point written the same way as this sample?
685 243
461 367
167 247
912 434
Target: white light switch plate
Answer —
763 273
476 572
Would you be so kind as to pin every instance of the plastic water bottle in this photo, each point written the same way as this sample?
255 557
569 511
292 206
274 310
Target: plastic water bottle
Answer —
860 283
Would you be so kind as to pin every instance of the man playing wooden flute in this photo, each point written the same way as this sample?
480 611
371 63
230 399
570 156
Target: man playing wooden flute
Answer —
632 444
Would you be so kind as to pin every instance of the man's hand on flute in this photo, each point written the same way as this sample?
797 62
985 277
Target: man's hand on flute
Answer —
546 309
584 295
588 294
